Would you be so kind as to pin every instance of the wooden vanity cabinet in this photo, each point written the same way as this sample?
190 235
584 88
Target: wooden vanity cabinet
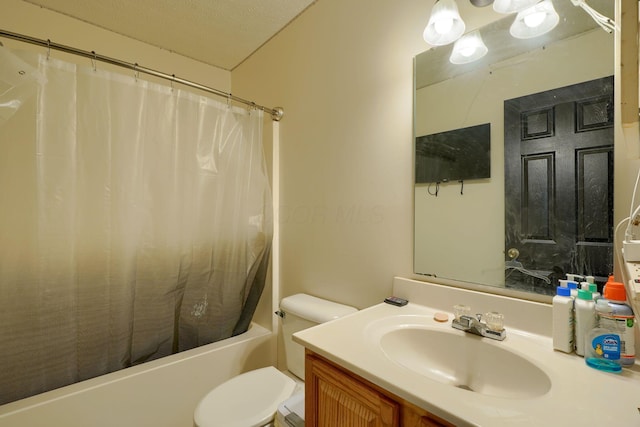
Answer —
336 397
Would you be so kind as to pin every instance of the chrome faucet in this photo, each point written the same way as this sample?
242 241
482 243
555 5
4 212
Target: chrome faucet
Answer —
476 326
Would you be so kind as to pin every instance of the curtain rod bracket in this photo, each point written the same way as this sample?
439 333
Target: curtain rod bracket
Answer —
276 114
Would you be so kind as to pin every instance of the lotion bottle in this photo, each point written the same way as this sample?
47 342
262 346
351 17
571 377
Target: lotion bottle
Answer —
563 320
585 318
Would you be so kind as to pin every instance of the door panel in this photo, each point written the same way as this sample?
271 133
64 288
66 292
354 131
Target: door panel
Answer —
559 183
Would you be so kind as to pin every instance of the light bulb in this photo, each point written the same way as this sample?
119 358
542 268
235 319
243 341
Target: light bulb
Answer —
444 25
468 48
535 19
467 51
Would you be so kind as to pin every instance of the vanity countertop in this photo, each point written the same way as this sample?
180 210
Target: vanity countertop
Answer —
579 395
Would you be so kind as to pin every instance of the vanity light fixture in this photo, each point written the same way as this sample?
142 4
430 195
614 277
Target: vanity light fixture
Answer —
481 3
512 6
535 21
445 24
468 48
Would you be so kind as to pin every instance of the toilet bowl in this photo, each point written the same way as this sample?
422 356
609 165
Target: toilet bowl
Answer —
247 400
252 399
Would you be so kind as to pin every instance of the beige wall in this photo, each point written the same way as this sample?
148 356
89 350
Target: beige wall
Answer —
343 74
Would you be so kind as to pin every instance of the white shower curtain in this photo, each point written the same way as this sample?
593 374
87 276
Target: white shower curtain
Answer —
135 222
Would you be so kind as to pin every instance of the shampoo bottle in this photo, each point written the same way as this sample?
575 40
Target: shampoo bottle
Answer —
563 320
585 318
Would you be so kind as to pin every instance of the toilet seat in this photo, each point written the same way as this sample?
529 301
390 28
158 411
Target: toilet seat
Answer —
247 400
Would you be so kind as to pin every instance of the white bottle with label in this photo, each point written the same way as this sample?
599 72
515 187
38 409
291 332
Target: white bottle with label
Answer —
563 320
585 318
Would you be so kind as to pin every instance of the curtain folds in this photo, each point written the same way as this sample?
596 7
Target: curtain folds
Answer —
135 222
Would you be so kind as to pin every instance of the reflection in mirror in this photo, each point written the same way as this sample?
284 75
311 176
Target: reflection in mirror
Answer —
460 228
558 151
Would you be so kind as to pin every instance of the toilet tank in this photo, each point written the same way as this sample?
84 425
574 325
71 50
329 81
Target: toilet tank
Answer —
302 311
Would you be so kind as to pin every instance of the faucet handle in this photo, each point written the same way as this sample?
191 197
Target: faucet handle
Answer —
466 320
461 310
494 320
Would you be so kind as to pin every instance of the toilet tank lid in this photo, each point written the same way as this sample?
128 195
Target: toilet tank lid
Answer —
314 309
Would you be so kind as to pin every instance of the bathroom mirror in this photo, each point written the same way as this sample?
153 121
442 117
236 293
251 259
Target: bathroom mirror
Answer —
460 226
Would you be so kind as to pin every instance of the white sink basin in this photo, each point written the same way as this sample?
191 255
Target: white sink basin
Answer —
464 361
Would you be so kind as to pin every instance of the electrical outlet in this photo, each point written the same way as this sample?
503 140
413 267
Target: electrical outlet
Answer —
631 250
632 270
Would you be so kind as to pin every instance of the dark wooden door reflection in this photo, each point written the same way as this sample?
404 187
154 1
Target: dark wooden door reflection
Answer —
559 184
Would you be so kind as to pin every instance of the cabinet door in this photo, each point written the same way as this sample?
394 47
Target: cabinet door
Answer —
412 416
334 398
424 421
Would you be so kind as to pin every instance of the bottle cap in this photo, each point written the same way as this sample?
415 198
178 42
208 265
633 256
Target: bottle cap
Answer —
611 279
593 287
615 291
563 292
572 285
584 294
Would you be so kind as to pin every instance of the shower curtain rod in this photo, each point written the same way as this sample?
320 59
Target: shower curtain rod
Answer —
276 113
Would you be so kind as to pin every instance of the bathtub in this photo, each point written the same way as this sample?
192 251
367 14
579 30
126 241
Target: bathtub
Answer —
161 393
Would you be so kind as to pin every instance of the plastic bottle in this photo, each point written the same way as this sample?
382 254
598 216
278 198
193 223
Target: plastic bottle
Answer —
585 318
563 320
615 315
602 350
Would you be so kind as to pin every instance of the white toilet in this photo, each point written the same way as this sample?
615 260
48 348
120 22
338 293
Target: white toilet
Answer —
253 398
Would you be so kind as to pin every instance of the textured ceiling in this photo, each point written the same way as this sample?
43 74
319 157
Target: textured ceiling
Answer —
222 33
